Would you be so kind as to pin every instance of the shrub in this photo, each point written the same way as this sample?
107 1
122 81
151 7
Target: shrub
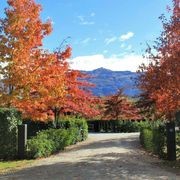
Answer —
46 142
178 144
128 126
115 126
52 140
33 127
152 138
39 146
9 120
79 123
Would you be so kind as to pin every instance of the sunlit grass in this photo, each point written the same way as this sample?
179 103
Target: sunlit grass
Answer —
7 166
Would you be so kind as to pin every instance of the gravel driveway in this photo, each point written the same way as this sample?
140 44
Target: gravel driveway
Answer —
101 157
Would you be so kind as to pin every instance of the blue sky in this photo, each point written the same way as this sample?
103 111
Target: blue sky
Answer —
108 33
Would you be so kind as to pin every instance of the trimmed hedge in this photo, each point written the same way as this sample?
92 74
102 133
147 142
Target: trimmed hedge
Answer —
50 141
153 138
79 123
116 126
9 119
33 127
178 144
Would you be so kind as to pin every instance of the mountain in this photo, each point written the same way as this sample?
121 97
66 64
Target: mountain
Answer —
107 82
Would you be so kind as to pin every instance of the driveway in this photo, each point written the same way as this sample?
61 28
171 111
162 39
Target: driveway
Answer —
103 156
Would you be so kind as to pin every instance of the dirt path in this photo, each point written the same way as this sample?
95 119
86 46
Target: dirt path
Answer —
101 157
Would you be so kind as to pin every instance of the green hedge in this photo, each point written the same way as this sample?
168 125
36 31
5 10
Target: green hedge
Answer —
72 122
153 138
178 145
33 127
9 119
50 141
116 126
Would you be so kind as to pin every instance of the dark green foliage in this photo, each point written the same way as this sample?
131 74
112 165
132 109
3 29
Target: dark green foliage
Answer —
117 126
53 140
153 138
128 126
177 121
50 141
9 119
79 123
178 145
33 127
47 142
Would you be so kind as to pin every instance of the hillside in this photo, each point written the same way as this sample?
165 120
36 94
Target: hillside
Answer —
107 82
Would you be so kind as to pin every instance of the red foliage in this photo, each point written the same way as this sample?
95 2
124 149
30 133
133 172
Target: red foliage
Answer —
37 82
161 78
119 107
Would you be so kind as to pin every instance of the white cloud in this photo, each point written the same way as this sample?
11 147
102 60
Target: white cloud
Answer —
105 51
87 23
83 21
129 62
85 41
126 36
129 47
122 45
92 14
110 40
123 37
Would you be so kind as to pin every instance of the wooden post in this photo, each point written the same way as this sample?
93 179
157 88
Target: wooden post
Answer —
22 140
171 141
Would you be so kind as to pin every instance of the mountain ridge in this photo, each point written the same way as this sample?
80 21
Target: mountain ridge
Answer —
107 82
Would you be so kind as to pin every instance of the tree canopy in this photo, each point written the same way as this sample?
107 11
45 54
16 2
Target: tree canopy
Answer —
37 82
161 78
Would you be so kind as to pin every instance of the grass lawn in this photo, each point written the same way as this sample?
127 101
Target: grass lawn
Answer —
7 166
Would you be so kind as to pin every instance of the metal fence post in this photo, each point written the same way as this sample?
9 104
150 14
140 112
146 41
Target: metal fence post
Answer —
22 140
171 141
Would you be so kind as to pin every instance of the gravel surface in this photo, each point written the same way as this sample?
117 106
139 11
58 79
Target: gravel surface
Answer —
102 156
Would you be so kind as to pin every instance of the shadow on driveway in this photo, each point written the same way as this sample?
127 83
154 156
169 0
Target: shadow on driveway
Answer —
104 159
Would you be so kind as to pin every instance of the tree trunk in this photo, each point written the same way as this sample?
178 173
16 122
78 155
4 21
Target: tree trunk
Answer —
56 116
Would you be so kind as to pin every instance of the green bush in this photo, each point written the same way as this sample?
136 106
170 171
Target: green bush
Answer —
153 138
178 144
39 146
52 140
117 126
128 126
79 123
47 142
33 127
9 119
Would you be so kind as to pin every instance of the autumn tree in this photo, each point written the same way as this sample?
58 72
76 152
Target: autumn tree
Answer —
49 89
79 99
160 79
119 107
38 82
21 36
58 91
146 107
